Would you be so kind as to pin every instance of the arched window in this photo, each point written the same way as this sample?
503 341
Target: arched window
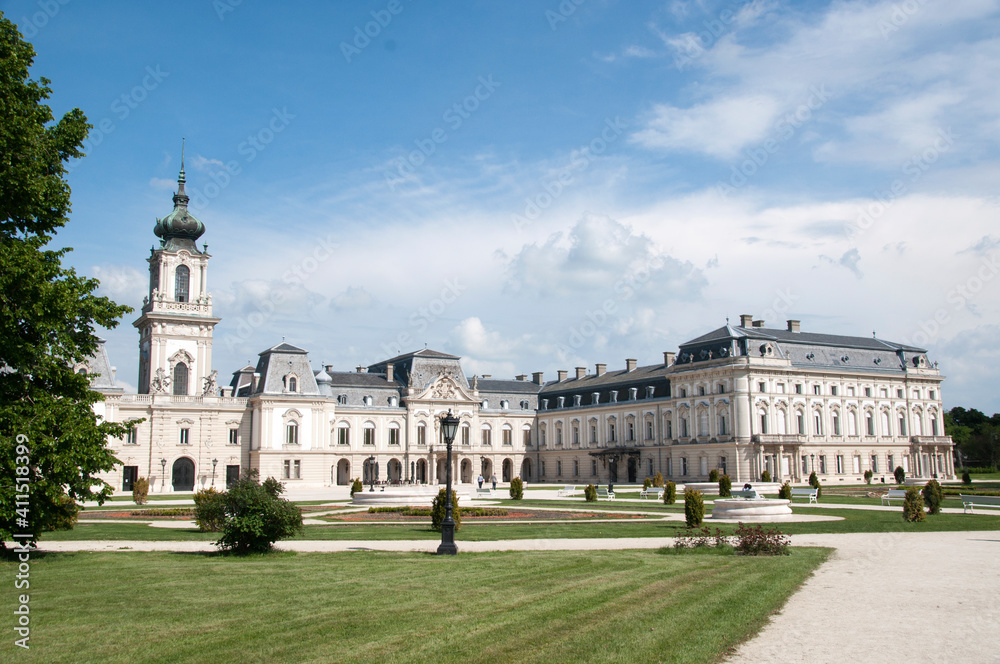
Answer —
343 433
180 378
182 280
293 384
292 433
369 433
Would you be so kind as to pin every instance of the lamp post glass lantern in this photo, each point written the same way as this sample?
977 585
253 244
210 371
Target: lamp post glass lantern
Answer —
449 425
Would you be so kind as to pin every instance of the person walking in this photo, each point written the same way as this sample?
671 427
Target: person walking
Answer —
494 480
480 480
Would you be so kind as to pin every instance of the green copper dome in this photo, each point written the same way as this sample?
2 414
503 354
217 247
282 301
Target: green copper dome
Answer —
180 228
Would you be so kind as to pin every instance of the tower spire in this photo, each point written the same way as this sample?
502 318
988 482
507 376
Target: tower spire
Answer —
181 197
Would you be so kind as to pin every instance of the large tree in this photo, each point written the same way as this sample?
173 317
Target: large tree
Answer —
51 440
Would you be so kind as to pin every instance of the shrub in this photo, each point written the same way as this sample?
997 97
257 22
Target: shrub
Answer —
785 492
658 479
209 510
356 486
669 493
765 476
913 505
713 475
899 474
140 490
966 478
691 538
694 508
725 486
814 483
590 493
63 515
438 510
932 496
516 489
755 541
646 483
257 516
868 477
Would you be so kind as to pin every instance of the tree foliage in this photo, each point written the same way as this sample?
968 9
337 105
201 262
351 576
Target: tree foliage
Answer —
975 434
47 312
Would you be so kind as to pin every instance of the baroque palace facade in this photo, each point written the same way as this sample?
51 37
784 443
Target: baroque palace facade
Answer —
741 399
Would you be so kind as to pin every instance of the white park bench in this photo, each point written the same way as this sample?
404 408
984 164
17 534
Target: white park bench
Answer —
604 494
894 494
746 493
652 492
803 493
567 490
968 502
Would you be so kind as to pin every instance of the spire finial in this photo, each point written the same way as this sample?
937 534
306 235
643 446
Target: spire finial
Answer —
181 198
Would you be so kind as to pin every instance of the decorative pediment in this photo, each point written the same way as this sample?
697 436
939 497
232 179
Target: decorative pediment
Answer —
444 388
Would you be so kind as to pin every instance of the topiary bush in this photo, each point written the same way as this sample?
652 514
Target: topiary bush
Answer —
694 508
713 475
257 516
646 483
516 489
725 487
438 510
814 483
966 478
590 493
932 497
868 476
210 510
669 493
899 474
785 492
658 479
140 490
765 476
913 505
356 486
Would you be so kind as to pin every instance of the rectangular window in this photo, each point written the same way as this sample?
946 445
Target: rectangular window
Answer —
593 434
593 467
576 468
486 438
870 424
369 435
343 436
649 431
899 393
541 468
296 470
234 436
902 425
286 469
822 464
840 464
834 390
631 431
836 424
130 437
884 392
232 475
850 391
527 437
722 426
800 423
856 464
805 464
129 475
798 388
889 463
701 390
185 438
650 466
576 435
868 391
817 424
292 434
874 463
559 436
933 395
684 466
762 386
611 433
670 429
781 388
508 436
722 464
816 389
558 468
721 388
421 435
393 436
467 433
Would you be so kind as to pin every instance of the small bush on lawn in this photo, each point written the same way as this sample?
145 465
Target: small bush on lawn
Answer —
697 538
516 489
765 476
713 475
356 486
140 490
438 511
209 510
658 479
646 483
756 541
257 516
164 511
814 483
694 508
899 474
966 478
932 497
669 493
868 477
725 487
590 493
63 514
913 505
785 492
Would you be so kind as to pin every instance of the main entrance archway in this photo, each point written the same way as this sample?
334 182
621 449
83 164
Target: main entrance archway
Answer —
466 473
395 471
343 472
183 474
508 470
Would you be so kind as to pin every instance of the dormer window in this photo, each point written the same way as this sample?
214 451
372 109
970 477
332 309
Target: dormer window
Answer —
614 396
595 397
561 401
182 280
293 385
633 393
368 401
342 399
504 405
577 399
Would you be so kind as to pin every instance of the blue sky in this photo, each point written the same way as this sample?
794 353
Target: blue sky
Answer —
541 185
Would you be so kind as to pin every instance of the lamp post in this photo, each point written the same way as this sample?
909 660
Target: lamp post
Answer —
371 473
163 474
215 462
449 425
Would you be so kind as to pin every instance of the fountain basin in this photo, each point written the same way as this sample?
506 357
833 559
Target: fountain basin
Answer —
752 509
414 496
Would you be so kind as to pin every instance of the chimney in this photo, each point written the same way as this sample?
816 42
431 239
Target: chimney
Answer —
758 323
521 377
601 368
668 357
581 372
630 365
486 376
537 377
390 373
328 368
562 373
362 369
793 326
746 320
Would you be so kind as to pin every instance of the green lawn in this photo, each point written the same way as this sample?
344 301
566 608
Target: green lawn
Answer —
581 606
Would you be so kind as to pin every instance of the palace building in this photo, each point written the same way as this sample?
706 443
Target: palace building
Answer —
742 399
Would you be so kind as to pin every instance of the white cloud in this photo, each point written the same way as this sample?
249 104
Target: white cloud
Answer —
203 163
163 184
719 128
355 297
122 283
